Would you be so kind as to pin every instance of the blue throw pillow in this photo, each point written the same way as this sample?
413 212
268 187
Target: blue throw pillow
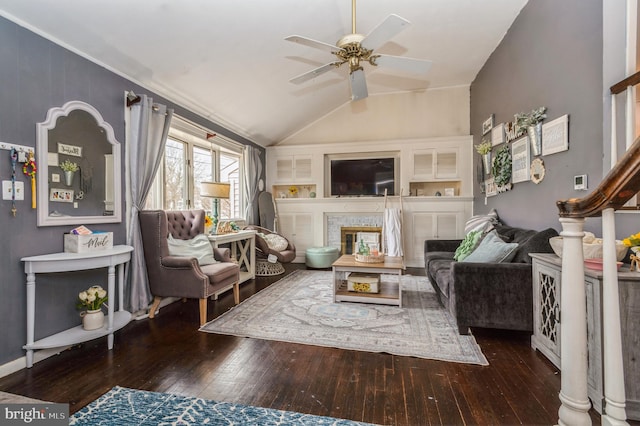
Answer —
492 249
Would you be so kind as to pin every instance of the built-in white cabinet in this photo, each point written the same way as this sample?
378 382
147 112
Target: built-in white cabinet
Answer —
547 282
435 163
299 228
291 169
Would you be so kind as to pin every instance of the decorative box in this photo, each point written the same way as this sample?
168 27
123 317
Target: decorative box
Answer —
363 283
86 243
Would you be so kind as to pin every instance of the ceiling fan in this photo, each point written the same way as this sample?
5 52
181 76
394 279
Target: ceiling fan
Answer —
355 49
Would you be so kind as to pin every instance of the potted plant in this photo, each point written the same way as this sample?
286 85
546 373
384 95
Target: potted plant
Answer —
532 124
92 300
69 168
484 149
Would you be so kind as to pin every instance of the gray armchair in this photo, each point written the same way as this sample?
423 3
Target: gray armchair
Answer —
173 276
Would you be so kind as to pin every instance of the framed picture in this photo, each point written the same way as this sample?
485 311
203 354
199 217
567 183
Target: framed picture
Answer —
73 150
520 160
555 135
487 125
61 195
497 134
491 188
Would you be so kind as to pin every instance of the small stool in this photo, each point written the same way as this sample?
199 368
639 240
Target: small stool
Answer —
321 257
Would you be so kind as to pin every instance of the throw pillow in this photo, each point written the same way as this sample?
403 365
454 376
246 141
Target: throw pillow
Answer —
198 247
492 249
482 222
276 242
470 242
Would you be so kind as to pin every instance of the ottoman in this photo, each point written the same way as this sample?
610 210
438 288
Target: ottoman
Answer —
321 257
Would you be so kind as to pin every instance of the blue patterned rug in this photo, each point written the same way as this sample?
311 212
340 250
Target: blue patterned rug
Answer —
122 406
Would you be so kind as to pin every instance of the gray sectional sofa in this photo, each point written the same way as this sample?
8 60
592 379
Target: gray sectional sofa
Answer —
488 295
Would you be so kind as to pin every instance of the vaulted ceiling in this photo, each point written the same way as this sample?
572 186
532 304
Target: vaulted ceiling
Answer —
227 60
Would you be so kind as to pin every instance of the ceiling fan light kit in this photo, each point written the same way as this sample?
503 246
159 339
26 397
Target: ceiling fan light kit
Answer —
356 48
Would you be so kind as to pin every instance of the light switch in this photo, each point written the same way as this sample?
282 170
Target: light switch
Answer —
7 190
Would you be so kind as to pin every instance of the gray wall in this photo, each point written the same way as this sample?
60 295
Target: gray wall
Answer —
551 56
36 75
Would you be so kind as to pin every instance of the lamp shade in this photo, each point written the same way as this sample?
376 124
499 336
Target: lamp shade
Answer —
214 189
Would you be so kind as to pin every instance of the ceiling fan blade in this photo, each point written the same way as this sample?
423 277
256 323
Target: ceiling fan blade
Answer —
358 85
314 73
384 32
412 65
313 43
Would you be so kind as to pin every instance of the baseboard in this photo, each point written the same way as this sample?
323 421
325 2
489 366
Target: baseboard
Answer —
20 363
41 354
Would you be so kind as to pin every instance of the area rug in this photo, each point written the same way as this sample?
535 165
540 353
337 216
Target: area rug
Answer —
299 309
123 406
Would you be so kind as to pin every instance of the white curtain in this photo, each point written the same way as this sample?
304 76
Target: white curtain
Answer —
146 136
253 171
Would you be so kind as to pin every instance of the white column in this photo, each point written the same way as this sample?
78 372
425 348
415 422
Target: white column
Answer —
573 328
614 409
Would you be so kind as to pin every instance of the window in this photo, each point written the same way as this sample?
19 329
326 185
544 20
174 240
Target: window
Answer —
191 156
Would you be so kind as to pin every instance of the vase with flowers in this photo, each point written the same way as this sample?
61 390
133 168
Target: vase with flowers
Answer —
293 191
208 224
633 242
484 149
532 124
69 168
92 300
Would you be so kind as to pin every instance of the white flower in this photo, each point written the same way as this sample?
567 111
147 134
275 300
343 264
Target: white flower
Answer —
82 296
102 293
91 297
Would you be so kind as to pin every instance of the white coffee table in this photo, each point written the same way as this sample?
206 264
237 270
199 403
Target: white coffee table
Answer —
390 292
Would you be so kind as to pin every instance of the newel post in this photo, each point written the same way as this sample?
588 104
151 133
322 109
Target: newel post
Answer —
573 328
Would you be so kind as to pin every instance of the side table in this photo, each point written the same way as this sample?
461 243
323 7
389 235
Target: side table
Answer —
113 258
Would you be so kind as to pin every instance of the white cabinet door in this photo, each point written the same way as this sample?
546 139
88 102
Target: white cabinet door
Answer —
298 227
435 163
423 226
546 310
293 169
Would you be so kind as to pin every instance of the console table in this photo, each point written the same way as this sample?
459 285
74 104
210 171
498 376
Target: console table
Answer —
66 262
243 249
547 282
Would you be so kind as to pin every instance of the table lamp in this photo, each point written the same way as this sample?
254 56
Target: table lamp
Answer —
215 190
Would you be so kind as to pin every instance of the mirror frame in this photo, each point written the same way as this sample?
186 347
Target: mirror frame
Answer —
42 150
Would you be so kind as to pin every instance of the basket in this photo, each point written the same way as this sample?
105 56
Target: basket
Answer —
369 258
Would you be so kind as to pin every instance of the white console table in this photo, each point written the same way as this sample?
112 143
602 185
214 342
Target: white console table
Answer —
66 262
243 249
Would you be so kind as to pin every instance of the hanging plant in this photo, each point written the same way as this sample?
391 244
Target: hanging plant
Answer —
501 168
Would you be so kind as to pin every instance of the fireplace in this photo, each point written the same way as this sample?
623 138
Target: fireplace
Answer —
348 236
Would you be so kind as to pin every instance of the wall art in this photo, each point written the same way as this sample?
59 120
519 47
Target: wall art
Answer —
520 160
555 135
497 134
487 125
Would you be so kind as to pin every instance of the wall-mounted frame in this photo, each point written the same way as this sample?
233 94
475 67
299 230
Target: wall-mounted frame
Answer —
537 170
487 125
497 135
491 188
555 135
90 142
520 160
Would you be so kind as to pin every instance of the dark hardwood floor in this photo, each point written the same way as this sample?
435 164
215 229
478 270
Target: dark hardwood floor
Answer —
169 354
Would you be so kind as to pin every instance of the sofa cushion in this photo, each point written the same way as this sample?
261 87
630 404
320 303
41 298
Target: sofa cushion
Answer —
537 243
482 222
469 244
198 247
492 249
276 242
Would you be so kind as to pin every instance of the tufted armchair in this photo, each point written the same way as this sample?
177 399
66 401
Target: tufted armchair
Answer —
271 266
173 276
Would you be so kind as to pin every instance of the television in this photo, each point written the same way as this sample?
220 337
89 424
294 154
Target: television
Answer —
363 177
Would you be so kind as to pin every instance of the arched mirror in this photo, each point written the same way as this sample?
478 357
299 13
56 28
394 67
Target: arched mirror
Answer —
78 161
